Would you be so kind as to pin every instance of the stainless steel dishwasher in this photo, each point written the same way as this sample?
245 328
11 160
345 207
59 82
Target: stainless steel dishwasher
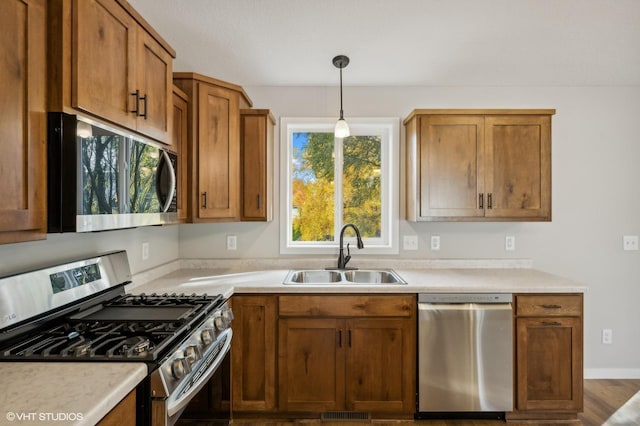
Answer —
465 355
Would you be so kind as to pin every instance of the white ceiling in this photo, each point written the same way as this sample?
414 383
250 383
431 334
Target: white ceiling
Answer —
404 42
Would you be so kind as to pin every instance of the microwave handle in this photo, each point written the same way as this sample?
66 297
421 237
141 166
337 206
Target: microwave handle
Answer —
167 166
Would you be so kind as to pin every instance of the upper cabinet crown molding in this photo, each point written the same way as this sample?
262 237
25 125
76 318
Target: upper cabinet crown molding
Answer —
478 165
105 60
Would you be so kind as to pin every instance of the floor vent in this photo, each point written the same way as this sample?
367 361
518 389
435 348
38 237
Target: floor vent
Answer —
344 416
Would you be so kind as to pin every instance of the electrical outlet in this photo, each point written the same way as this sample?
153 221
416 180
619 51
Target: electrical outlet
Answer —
435 242
510 243
145 251
607 336
630 242
232 242
410 242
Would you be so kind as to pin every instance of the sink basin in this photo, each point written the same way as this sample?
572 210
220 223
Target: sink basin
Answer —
373 277
339 277
313 277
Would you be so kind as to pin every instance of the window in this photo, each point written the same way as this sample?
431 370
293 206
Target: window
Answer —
328 182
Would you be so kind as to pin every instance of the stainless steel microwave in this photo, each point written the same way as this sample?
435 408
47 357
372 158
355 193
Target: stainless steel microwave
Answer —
100 178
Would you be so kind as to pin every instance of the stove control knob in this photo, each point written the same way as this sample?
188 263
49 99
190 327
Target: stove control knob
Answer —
192 354
179 368
218 321
207 336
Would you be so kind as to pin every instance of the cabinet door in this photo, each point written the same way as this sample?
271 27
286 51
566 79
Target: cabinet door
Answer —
518 164
218 154
380 367
155 81
451 166
104 68
549 363
253 353
179 143
311 364
23 188
256 132
123 414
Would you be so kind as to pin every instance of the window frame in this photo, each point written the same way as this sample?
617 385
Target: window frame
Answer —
389 129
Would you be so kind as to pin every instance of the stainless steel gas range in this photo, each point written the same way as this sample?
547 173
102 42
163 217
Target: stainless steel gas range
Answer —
78 311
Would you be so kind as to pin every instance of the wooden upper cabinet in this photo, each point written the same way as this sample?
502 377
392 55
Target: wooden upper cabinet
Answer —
256 152
518 166
179 143
105 60
214 146
155 82
23 189
479 165
451 163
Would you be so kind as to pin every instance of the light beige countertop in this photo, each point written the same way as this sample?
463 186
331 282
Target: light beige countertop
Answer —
64 393
233 277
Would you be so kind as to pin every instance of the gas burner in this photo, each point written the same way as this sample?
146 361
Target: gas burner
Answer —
135 345
82 349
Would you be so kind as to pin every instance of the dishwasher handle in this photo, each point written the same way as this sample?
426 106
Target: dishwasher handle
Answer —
464 306
465 298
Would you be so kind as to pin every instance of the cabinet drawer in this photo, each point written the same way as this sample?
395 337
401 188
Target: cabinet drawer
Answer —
352 306
549 305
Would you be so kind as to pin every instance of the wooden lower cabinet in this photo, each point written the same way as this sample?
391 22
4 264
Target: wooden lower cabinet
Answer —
351 359
549 359
123 414
253 353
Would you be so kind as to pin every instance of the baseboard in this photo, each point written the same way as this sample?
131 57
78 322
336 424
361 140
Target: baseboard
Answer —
612 373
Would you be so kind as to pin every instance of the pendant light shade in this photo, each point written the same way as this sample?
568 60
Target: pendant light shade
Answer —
342 128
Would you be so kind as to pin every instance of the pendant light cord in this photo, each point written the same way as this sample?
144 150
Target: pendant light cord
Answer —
341 113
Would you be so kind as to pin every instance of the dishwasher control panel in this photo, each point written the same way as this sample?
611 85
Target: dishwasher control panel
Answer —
465 298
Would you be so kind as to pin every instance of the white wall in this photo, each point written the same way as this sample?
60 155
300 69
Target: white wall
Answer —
596 200
58 248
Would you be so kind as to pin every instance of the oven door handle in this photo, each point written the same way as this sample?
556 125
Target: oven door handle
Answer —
177 404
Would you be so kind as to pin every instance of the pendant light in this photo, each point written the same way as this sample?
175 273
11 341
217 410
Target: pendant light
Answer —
342 128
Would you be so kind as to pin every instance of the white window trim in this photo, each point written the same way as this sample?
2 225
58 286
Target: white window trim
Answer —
390 192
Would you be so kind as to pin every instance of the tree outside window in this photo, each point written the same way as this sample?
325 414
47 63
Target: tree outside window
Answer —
331 182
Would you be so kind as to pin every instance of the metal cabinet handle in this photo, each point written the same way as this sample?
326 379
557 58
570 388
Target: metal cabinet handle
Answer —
490 201
136 94
259 201
339 338
204 200
481 200
551 306
144 98
551 323
349 338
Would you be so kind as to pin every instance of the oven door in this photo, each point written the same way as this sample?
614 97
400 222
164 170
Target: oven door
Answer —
203 396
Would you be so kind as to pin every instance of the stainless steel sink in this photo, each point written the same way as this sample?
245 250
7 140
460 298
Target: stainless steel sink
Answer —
373 277
313 277
340 277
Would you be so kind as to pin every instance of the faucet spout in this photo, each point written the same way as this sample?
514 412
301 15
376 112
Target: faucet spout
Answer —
342 259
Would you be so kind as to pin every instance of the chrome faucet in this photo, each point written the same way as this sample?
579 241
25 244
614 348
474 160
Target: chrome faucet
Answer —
342 259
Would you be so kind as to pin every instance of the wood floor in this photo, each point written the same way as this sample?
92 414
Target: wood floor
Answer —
601 399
